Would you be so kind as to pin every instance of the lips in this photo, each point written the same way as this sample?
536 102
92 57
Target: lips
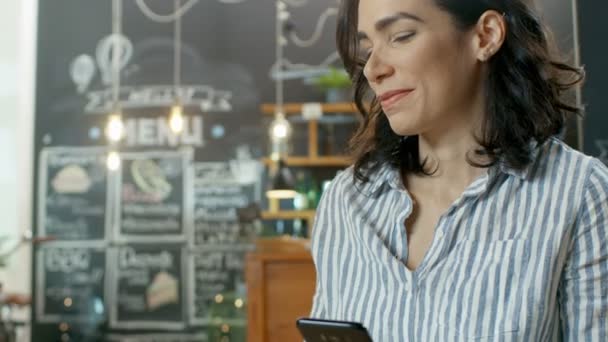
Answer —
388 99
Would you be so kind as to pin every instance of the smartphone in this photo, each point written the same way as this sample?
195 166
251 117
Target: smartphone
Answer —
319 330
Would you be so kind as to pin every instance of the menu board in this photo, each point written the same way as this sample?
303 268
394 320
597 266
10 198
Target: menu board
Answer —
220 239
146 291
149 202
70 283
151 198
73 194
219 190
215 272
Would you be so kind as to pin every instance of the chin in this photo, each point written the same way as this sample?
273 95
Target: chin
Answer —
403 127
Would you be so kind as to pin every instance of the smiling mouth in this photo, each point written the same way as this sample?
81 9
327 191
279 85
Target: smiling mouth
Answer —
389 101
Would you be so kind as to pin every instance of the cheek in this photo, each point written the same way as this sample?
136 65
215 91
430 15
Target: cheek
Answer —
445 80
431 65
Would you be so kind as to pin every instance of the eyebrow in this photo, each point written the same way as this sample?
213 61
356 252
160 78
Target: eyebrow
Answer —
384 23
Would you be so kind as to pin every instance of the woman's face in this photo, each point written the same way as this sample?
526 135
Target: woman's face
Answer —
420 66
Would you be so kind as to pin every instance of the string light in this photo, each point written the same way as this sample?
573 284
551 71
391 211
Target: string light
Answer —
176 120
280 128
281 183
115 128
113 161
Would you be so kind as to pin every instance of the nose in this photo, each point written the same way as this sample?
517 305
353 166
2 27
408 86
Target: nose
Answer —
376 69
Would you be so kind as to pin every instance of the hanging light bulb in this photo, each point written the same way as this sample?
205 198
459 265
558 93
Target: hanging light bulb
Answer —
280 128
113 161
115 129
280 131
176 120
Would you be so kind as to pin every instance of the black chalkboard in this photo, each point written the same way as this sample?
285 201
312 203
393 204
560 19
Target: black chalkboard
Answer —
71 284
74 194
146 287
594 54
227 54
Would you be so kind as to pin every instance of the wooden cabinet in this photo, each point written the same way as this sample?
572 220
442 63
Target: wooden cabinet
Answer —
280 288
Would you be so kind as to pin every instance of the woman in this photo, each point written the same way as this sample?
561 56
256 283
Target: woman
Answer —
480 224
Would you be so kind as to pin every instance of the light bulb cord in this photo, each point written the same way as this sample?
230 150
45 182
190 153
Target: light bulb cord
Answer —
177 48
280 7
116 32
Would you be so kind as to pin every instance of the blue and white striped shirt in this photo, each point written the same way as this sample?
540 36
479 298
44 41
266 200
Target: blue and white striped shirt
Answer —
520 256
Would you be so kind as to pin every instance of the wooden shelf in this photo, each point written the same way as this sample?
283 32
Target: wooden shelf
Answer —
288 215
296 108
333 161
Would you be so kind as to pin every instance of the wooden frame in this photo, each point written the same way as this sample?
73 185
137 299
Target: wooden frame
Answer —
270 280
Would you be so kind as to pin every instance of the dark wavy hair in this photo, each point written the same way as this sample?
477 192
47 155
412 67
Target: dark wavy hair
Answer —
524 89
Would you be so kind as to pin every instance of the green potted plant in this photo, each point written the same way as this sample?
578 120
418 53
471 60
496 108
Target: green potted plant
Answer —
335 83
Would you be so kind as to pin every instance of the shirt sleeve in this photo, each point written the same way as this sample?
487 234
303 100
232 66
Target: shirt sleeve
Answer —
583 291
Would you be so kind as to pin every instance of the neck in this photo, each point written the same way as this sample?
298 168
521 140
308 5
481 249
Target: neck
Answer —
449 157
449 147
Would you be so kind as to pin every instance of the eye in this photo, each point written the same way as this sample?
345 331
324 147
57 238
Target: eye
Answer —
364 54
402 37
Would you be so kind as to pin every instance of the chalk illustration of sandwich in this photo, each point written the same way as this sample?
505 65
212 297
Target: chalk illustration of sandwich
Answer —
162 291
72 179
149 178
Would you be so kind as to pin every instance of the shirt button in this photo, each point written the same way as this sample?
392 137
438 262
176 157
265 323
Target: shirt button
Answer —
440 234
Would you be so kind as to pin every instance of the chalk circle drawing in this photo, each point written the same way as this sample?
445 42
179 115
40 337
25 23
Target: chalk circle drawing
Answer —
82 71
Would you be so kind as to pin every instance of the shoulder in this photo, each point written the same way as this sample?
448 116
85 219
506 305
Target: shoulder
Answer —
343 179
346 185
557 161
570 174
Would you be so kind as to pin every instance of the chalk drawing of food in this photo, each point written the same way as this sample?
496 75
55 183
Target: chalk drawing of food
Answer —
162 291
150 178
72 179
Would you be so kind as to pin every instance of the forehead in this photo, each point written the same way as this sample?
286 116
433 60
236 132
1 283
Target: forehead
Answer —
370 11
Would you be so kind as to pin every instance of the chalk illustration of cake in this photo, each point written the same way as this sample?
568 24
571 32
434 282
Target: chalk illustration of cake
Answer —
149 178
72 179
162 291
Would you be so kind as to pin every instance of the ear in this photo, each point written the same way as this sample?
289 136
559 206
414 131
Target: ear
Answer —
490 33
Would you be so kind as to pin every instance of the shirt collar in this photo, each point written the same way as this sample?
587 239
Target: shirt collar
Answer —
525 172
390 176
387 174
